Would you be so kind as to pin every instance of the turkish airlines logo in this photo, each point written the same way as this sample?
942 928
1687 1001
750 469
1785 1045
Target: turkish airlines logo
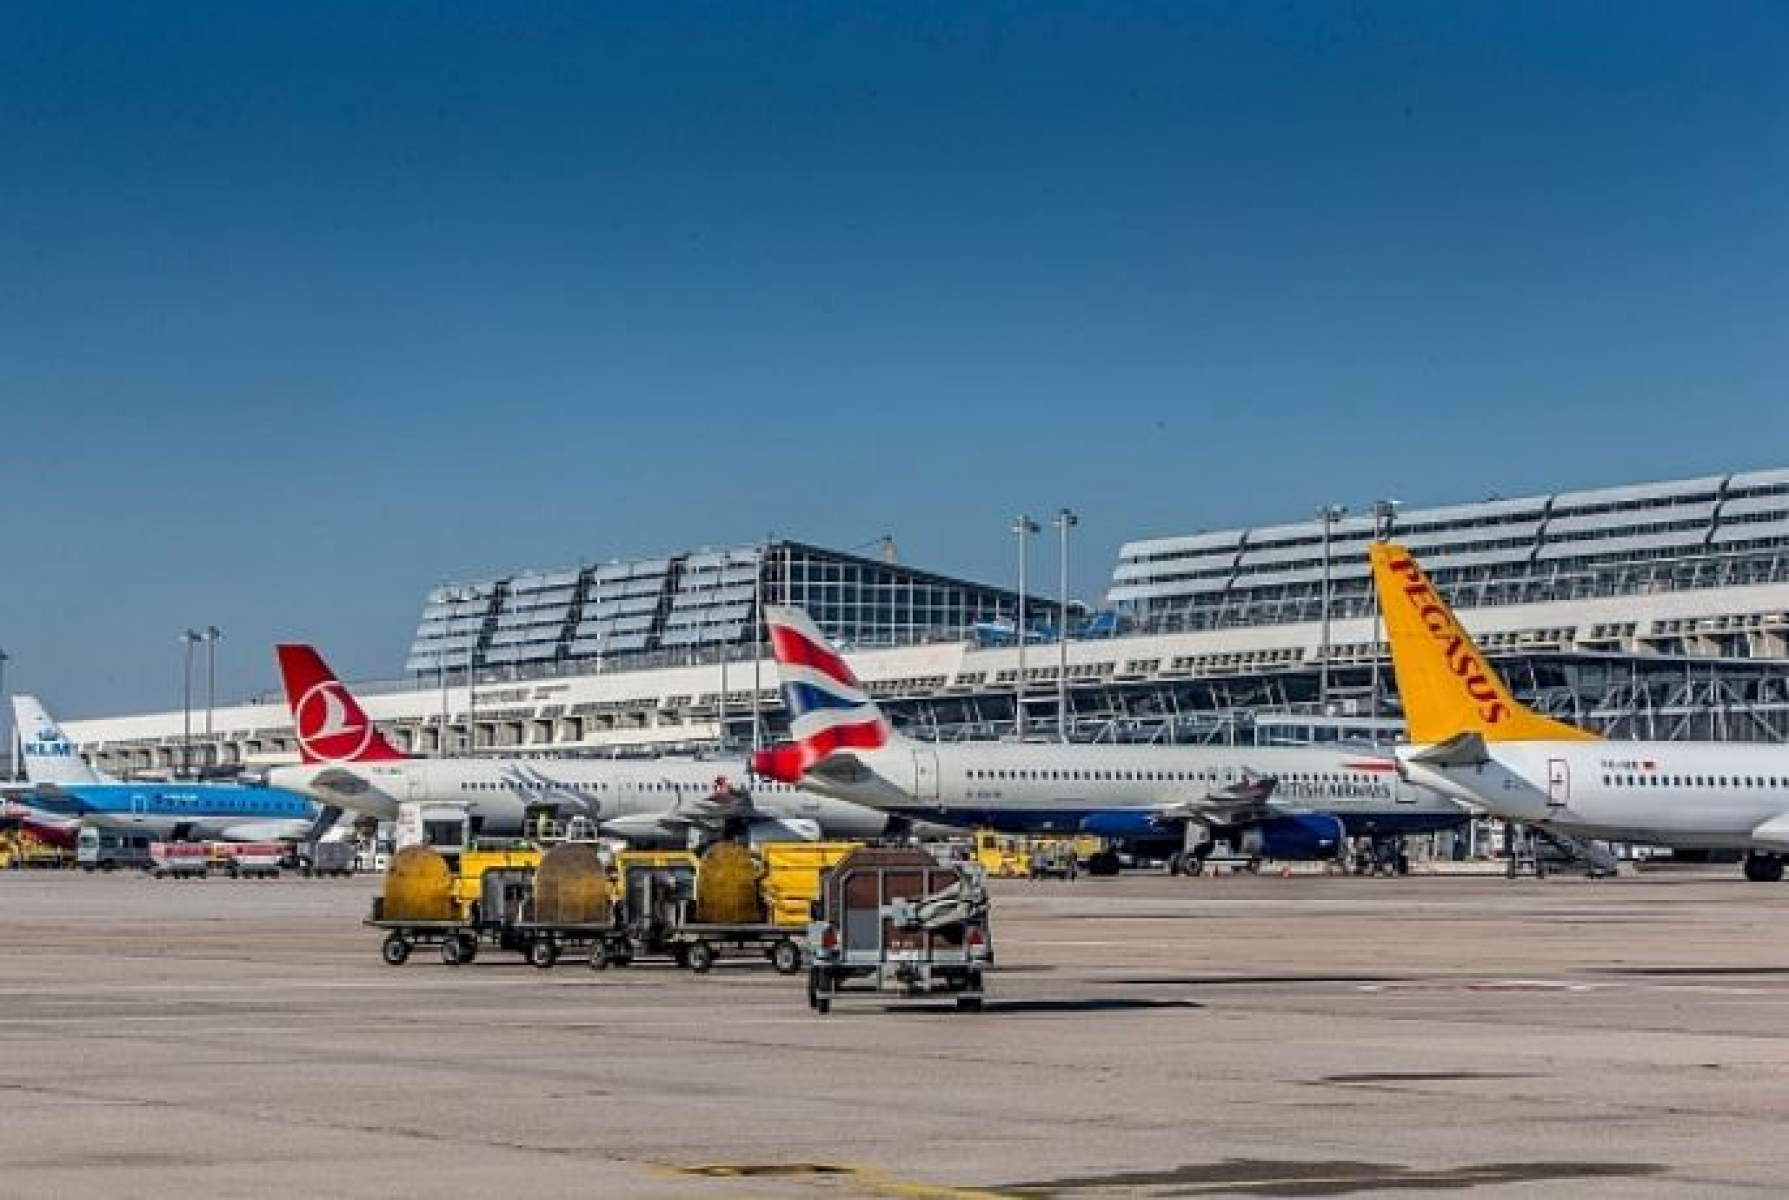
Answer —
1456 647
324 726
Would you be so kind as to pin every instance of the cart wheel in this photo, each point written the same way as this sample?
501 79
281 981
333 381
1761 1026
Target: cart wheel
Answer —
599 957
701 957
396 950
542 953
817 1002
453 951
785 956
968 1003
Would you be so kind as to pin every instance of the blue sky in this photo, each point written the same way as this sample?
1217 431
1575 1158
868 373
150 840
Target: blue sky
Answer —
307 307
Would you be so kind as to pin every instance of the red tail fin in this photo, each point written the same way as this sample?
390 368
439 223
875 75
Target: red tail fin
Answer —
332 727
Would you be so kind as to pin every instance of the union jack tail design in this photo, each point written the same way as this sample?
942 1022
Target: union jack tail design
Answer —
829 710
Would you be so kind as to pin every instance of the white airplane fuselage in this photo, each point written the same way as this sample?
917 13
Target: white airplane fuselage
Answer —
1693 794
1051 787
499 792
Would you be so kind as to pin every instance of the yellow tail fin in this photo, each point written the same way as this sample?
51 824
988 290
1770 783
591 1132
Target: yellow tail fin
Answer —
1446 684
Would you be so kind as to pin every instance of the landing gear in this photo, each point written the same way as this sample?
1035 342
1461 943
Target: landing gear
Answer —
1381 855
1764 868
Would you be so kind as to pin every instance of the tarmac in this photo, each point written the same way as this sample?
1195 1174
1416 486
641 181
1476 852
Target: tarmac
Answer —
1145 1036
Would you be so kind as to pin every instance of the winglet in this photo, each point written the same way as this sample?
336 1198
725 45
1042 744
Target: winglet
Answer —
332 727
1446 684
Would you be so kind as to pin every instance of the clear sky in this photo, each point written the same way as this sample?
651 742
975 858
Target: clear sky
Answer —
306 307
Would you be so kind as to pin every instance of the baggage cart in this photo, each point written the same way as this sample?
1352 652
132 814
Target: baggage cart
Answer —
179 860
254 860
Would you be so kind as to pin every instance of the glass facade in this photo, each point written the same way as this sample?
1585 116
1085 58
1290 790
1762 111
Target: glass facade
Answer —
685 606
1722 531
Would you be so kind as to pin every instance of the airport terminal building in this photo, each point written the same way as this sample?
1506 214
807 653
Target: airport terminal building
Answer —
1655 610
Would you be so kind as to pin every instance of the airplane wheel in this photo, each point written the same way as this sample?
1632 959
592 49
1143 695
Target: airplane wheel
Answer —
395 951
1764 868
785 956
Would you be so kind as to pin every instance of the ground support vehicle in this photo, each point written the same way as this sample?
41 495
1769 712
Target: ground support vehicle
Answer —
108 850
1053 858
327 858
179 860
570 907
733 901
695 911
1032 856
21 849
896 922
475 898
253 860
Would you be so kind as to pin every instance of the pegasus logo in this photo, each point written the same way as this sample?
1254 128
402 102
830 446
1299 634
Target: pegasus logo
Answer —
325 726
1456 648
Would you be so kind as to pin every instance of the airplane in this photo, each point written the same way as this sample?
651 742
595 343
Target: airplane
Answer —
65 786
1470 738
1271 802
349 764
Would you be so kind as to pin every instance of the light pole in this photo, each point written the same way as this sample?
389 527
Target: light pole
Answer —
1384 513
189 638
1329 514
1065 521
12 733
1023 528
212 636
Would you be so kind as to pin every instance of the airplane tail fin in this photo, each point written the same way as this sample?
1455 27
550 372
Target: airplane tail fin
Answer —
332 727
1446 684
48 755
829 710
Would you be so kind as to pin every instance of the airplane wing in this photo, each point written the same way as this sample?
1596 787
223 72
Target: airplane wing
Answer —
1249 798
340 780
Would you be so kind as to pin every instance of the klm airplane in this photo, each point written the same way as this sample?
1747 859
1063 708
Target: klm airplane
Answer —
63 784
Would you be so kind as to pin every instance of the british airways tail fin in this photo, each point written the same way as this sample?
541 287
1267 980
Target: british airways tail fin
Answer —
332 727
829 710
48 754
1445 683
